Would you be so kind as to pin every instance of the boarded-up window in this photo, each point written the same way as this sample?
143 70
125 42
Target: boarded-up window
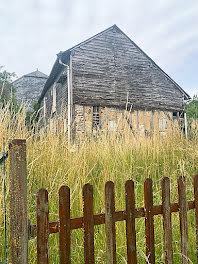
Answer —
96 117
54 98
112 125
162 125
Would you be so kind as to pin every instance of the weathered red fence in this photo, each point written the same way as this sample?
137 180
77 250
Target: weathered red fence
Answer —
65 224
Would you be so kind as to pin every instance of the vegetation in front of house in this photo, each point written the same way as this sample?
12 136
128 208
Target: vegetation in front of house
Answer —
192 117
7 91
52 163
192 108
8 98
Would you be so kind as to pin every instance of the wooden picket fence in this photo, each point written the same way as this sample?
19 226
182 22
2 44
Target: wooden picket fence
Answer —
20 229
65 224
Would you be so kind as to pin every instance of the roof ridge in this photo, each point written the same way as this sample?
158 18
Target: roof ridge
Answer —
65 58
89 39
37 74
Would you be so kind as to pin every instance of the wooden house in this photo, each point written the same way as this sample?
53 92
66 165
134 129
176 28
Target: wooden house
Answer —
108 83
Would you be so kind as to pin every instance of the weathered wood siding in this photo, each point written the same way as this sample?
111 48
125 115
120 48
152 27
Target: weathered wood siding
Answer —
61 100
109 70
28 90
61 97
48 100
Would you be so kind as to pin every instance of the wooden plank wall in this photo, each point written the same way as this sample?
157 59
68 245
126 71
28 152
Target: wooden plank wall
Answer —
110 71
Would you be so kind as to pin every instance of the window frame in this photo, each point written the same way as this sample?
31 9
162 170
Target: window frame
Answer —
96 117
163 125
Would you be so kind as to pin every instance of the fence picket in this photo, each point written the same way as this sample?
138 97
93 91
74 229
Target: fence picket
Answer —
42 227
89 220
64 228
149 221
88 223
65 223
110 223
183 219
130 222
167 225
196 209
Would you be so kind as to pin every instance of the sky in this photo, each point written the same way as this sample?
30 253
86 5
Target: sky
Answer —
32 32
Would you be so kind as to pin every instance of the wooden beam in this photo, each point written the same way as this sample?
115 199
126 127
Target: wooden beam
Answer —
18 202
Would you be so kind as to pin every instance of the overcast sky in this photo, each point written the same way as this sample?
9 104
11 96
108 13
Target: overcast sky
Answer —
32 32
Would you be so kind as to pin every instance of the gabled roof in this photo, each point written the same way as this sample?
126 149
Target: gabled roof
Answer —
35 74
65 57
187 96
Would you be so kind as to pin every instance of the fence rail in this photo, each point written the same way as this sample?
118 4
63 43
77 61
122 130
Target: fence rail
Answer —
65 224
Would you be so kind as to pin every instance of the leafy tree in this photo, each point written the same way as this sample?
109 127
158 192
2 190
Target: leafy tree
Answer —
7 91
192 108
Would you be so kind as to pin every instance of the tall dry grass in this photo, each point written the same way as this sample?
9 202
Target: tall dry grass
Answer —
52 163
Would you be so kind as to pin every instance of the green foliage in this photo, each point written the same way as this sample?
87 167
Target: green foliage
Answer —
192 108
36 106
7 90
8 97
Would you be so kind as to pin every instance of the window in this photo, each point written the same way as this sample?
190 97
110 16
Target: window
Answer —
96 117
54 98
175 115
162 125
112 126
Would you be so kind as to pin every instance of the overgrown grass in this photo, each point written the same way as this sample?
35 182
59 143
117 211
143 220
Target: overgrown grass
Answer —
52 163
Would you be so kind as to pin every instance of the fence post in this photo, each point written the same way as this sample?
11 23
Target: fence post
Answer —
18 202
183 208
110 223
149 221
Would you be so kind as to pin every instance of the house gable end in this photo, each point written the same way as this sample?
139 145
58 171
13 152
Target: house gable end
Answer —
109 69
186 96
115 29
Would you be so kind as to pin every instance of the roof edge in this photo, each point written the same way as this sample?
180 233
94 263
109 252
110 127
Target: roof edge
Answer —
55 72
93 37
26 75
57 69
65 57
163 72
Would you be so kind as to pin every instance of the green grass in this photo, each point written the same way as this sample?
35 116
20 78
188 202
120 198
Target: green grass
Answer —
52 163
